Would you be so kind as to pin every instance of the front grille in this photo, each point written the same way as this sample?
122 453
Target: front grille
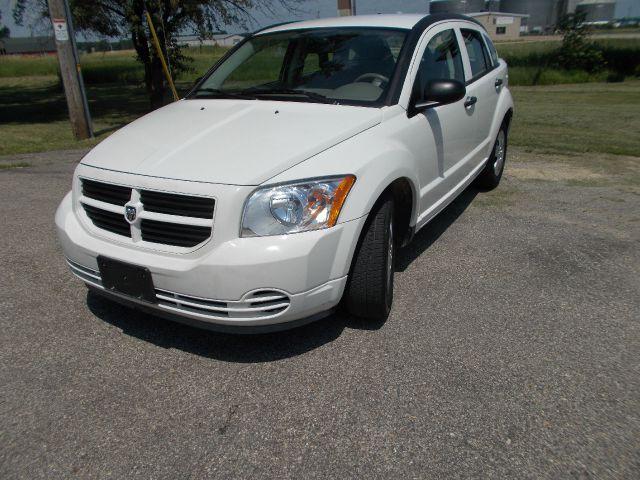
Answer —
193 215
112 222
106 192
173 233
173 204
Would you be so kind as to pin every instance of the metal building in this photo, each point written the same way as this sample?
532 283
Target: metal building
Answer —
569 6
456 6
597 11
491 6
543 14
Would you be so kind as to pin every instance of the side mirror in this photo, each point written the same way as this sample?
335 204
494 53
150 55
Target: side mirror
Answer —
440 92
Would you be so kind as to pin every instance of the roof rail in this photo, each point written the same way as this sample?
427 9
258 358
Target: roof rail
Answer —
273 26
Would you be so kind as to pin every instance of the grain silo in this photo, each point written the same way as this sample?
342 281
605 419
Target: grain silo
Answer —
543 14
456 6
492 6
569 6
597 11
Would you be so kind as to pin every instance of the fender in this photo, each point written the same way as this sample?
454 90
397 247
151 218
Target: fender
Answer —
376 162
505 103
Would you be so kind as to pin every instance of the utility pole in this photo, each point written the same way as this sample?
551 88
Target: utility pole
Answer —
69 61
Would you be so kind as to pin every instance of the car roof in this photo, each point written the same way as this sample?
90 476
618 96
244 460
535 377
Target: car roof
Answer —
403 21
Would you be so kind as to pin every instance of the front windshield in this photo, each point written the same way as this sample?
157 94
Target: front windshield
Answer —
350 66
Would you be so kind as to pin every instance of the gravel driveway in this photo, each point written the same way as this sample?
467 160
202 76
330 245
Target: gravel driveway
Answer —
512 351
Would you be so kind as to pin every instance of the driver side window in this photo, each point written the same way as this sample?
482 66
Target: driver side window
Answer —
441 61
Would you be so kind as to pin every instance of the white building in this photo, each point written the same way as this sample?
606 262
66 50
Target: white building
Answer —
218 39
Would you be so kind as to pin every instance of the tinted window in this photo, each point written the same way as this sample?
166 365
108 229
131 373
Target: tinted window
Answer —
492 50
341 65
478 55
441 60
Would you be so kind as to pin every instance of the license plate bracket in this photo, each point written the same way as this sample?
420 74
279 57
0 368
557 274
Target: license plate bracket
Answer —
131 280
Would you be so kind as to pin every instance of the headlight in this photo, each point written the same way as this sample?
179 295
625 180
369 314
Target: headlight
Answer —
295 207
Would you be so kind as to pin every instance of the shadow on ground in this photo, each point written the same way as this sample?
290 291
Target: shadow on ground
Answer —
429 234
265 347
46 103
270 346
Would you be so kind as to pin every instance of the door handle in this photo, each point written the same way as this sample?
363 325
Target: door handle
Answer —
499 82
470 102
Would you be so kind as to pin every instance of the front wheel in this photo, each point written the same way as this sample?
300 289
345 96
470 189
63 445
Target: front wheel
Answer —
369 291
490 176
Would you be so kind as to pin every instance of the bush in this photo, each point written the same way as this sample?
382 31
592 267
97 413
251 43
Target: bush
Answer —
576 51
536 63
530 76
623 61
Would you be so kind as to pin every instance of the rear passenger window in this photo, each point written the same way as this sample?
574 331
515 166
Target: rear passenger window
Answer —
478 55
441 60
492 50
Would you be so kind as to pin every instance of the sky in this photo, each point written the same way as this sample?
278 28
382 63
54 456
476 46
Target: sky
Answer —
318 8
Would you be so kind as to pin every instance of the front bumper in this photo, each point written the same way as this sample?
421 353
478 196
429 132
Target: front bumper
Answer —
240 282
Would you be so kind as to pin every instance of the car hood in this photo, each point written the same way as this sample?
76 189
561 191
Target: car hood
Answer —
236 142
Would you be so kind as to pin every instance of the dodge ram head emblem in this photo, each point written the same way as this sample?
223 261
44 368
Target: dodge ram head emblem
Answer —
130 213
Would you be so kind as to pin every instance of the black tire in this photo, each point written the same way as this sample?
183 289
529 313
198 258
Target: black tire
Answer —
490 176
369 290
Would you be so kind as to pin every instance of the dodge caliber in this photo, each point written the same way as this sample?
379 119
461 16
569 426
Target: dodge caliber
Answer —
284 182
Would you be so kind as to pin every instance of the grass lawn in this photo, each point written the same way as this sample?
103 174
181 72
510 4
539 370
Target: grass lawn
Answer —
594 117
107 67
590 117
34 118
34 115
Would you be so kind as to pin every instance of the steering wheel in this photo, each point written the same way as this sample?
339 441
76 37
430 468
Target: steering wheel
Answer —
376 79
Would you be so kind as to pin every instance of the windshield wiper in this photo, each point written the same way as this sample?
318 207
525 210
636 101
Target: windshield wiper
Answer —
217 93
291 91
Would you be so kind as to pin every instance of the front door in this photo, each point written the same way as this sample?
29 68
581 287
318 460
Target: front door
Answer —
447 133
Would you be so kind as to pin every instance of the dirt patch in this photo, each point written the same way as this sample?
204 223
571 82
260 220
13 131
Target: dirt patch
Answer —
583 170
554 172
43 158
12 165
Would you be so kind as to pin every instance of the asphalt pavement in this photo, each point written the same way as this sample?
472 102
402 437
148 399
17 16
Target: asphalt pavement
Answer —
512 351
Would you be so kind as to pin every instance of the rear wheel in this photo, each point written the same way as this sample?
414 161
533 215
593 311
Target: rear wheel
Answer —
369 291
490 176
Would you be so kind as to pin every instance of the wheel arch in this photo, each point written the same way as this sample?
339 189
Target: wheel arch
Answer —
504 111
404 201
507 118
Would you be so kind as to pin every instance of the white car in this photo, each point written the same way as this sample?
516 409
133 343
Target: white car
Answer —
284 182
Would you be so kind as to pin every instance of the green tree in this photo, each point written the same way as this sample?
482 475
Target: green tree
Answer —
576 50
4 31
119 18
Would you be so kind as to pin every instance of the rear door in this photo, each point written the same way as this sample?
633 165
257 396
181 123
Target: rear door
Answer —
483 87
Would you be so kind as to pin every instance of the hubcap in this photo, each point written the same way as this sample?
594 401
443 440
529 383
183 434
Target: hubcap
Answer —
499 154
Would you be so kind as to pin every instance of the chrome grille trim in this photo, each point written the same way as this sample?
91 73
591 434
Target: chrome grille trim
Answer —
86 274
248 307
258 304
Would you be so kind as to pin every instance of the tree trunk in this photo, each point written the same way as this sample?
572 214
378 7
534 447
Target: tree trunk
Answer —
156 95
153 73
